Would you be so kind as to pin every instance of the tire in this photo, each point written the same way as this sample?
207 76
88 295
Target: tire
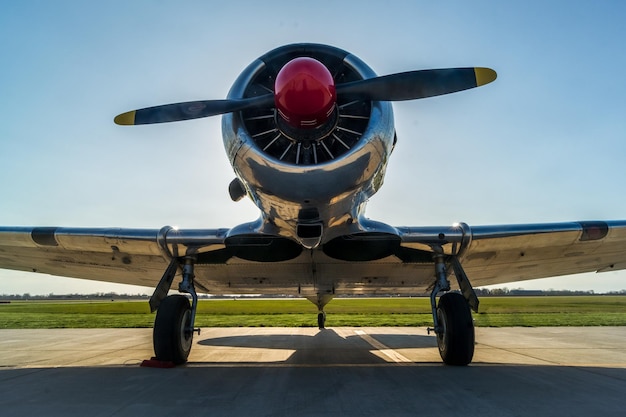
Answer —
171 343
321 320
456 341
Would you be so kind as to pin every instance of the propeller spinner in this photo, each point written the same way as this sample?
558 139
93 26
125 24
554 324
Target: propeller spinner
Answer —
305 94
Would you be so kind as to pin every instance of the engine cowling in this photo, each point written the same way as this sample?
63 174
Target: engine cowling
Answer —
314 179
295 146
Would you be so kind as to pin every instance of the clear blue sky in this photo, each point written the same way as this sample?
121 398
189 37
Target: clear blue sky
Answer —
546 142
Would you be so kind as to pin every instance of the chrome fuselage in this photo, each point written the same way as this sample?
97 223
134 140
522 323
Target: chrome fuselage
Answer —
309 191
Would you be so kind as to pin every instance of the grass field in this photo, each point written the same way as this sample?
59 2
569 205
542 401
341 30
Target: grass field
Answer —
494 311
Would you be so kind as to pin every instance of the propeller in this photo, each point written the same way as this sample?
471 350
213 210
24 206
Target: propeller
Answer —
395 87
190 110
418 84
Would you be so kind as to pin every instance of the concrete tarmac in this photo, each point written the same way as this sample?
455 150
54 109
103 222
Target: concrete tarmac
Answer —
306 372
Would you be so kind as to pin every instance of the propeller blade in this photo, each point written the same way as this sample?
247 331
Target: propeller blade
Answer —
418 84
395 87
190 110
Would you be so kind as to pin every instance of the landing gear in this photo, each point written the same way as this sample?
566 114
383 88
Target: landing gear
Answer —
321 319
320 300
174 322
171 336
454 326
456 336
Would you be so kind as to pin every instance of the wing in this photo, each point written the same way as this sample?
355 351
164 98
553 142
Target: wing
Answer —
126 256
271 264
508 253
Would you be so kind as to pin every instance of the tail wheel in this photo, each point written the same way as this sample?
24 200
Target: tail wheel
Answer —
456 338
171 336
321 319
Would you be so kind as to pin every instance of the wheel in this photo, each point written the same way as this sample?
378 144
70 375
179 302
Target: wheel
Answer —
456 340
172 343
321 319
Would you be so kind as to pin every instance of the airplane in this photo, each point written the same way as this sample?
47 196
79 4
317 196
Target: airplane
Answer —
308 130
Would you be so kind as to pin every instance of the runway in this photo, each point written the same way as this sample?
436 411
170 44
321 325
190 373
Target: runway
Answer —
306 372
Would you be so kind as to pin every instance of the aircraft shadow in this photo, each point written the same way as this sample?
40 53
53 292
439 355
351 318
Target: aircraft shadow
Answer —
325 347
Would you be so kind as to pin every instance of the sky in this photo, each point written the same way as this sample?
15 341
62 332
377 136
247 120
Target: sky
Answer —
545 142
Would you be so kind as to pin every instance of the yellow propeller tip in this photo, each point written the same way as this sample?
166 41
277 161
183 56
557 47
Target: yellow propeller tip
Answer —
125 119
484 76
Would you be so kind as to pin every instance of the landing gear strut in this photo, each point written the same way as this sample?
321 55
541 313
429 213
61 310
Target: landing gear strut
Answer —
174 323
454 326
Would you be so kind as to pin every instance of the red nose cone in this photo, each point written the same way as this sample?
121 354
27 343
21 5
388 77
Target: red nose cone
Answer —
305 93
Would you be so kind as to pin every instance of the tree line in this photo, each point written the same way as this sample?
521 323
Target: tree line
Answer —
481 292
